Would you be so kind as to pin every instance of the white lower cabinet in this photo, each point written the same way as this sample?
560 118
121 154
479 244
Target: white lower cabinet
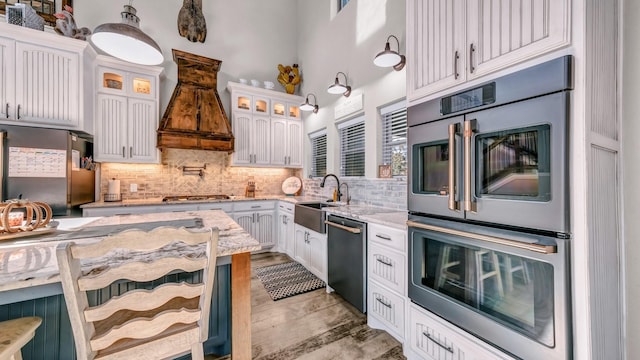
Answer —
311 251
286 228
387 279
258 219
433 338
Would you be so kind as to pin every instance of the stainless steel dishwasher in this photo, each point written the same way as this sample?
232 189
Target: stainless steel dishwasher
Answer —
347 259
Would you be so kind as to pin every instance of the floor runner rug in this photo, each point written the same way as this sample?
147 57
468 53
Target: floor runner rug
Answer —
287 279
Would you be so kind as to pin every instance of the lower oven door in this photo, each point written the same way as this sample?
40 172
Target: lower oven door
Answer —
510 289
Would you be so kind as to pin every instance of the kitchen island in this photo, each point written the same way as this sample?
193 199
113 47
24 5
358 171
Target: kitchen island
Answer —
30 284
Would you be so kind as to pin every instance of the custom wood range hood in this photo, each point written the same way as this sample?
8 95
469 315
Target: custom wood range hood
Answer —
195 118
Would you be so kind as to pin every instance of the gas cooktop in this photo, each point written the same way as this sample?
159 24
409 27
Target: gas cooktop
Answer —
176 198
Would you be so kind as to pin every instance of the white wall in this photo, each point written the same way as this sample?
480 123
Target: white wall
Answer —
631 172
347 42
250 37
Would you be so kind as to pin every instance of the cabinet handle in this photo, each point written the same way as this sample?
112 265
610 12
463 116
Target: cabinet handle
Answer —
448 348
472 49
383 303
456 56
383 237
130 151
123 152
384 262
18 114
7 110
256 206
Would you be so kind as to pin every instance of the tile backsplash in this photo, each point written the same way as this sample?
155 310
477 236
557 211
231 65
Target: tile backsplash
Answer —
389 193
169 178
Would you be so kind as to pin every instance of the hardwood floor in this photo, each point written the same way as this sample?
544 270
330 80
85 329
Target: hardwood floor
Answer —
314 325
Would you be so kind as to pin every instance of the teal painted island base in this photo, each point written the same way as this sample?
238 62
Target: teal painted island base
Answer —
54 338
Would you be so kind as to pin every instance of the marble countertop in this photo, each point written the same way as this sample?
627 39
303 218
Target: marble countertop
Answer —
31 261
380 215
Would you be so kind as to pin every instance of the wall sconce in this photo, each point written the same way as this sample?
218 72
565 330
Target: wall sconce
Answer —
126 41
337 88
389 57
308 107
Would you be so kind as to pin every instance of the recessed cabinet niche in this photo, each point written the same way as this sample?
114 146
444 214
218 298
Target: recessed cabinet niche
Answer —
266 126
126 112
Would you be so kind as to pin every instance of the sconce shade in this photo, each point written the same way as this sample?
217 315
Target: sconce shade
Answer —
338 89
126 41
388 57
308 107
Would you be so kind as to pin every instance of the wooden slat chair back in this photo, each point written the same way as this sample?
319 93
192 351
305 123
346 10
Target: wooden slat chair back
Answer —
166 321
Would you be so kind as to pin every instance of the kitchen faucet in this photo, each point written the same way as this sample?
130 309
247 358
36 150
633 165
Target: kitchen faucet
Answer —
337 180
348 197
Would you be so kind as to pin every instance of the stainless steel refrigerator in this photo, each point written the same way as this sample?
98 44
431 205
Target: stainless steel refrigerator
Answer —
47 165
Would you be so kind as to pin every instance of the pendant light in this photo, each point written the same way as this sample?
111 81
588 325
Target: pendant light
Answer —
308 107
389 57
126 41
337 88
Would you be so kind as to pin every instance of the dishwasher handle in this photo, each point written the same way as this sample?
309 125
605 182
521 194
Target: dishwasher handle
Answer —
353 230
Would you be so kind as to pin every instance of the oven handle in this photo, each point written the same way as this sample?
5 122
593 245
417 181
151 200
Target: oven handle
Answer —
469 129
346 228
453 204
542 249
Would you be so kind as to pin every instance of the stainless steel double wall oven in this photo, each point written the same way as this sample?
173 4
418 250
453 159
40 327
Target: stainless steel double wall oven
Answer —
489 210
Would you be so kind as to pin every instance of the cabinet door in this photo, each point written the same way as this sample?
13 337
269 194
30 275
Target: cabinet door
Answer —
111 136
279 139
47 85
245 220
142 124
505 33
242 130
301 248
261 140
264 228
294 143
317 254
436 51
7 78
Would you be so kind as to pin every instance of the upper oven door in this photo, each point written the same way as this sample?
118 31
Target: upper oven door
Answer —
515 160
435 170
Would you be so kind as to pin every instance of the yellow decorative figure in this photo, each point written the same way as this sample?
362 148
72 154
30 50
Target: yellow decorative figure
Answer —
289 77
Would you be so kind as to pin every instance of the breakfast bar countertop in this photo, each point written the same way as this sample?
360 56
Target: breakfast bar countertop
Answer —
31 261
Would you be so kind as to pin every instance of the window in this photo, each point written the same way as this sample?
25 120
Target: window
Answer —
342 4
394 137
352 147
318 153
44 8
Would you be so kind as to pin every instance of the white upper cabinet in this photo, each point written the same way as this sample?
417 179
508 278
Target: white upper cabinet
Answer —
266 127
450 42
126 116
43 81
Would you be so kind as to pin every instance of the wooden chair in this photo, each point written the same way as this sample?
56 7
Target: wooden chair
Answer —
165 321
14 334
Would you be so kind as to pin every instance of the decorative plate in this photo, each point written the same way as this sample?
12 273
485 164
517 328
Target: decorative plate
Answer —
292 185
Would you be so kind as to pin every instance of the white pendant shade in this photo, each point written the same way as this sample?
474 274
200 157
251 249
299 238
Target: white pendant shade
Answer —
307 106
337 89
387 59
126 41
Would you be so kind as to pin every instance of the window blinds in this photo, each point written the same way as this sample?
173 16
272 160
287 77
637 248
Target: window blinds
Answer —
352 147
318 153
394 137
